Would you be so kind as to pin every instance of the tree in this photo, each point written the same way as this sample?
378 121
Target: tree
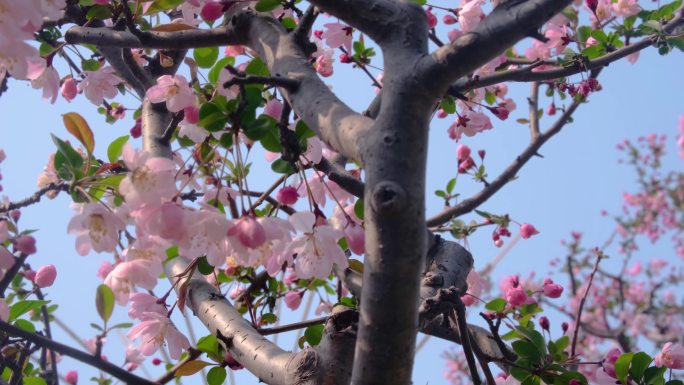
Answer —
147 207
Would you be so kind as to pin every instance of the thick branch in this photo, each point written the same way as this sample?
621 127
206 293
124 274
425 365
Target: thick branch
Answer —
503 27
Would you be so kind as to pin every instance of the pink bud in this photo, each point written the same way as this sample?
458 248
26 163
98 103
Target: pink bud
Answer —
249 231
544 323
287 195
345 58
69 89
156 361
45 276
191 114
449 19
442 114
25 244
318 33
551 111
71 377
565 327
356 239
232 362
16 215
431 19
136 130
481 154
466 165
211 11
132 366
462 152
575 381
527 230
293 299
592 4
552 290
498 242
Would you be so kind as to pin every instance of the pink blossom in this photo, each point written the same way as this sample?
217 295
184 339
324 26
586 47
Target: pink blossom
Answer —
49 82
25 244
324 63
293 299
165 220
133 355
128 274
149 181
6 260
552 290
516 296
462 152
431 19
45 276
626 8
174 90
71 377
469 124
671 356
317 249
527 230
141 303
356 238
99 85
470 14
336 35
454 34
476 284
236 292
154 330
104 270
230 92
206 235
191 114
96 228
273 108
250 232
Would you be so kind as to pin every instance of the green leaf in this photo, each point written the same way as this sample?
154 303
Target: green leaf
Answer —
216 375
266 5
654 375
533 336
34 381
526 349
21 307
100 12
288 23
204 267
450 185
640 362
191 367
90 65
313 334
123 325
163 5
25 325
531 380
206 57
257 67
282 167
448 104
562 343
79 128
212 117
594 51
622 366
104 302
214 72
209 344
358 208
73 160
496 305
674 382
269 318
600 36
566 377
483 214
261 126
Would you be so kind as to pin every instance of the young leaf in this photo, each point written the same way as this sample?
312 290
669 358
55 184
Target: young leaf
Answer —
191 367
116 148
79 128
104 302
216 375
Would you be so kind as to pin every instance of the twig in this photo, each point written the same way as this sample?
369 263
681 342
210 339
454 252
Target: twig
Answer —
533 101
105 366
293 326
459 314
35 198
290 84
9 274
171 128
578 322
267 193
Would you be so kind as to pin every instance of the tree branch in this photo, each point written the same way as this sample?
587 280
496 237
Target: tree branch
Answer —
105 366
35 198
476 200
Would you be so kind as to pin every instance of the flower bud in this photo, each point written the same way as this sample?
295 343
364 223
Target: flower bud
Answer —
71 377
45 276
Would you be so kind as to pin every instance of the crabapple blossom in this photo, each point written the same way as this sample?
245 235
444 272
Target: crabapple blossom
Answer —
174 90
324 63
153 330
100 84
96 228
317 249
71 377
337 35
150 180
133 355
211 11
205 234
469 123
49 82
476 285
552 290
141 303
45 276
69 89
293 299
126 275
671 356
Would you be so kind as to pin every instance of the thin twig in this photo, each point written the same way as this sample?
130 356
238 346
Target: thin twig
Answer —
533 101
578 322
460 318
293 326
35 198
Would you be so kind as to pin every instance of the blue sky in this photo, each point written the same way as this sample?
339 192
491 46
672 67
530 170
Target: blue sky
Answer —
578 177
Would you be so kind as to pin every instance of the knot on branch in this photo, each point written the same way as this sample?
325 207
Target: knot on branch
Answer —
388 197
